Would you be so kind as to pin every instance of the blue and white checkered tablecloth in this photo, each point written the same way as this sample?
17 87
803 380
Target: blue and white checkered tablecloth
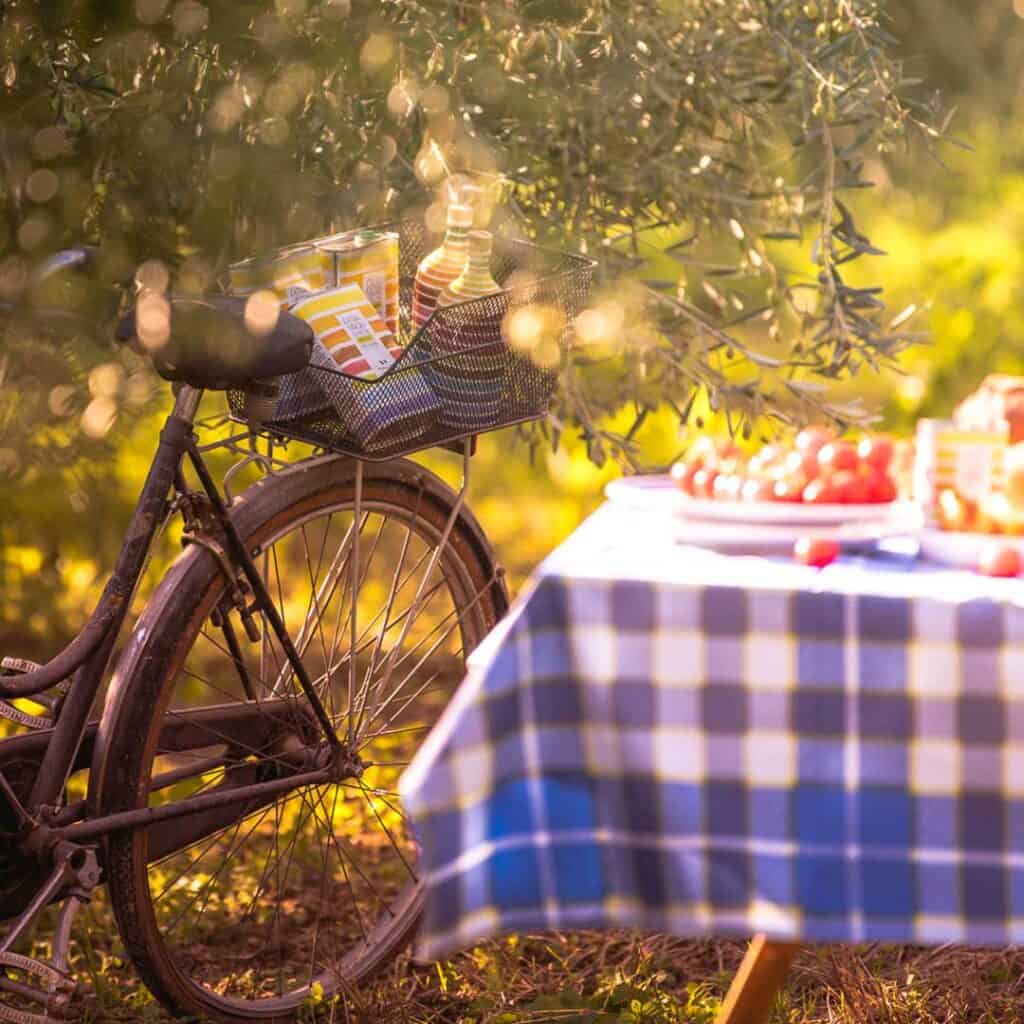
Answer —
679 741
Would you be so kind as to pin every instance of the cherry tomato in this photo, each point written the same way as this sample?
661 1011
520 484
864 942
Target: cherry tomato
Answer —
880 488
727 487
816 551
877 451
768 454
811 440
683 474
704 482
838 455
802 465
821 491
730 464
999 560
888 490
851 488
757 490
787 489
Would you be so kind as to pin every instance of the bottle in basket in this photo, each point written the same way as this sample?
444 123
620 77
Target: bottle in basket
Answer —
443 265
469 357
474 280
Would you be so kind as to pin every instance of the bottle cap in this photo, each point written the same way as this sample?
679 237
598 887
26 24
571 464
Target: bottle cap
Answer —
460 215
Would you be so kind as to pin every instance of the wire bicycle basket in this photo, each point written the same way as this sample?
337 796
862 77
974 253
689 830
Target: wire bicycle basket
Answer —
457 376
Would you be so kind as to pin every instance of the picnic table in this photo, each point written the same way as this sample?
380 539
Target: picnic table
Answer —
675 740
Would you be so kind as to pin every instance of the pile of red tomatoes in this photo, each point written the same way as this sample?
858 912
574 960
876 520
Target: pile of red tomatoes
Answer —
820 469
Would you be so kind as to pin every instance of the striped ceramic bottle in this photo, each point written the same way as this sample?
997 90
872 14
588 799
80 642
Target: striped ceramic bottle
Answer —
438 269
475 279
470 373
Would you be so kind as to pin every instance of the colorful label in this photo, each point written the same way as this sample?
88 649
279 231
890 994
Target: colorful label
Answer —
350 331
969 462
368 259
305 269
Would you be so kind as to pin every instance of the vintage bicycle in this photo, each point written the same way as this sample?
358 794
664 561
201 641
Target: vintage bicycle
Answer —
233 788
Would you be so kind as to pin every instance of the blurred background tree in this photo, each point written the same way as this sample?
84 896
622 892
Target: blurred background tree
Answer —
953 233
180 136
715 153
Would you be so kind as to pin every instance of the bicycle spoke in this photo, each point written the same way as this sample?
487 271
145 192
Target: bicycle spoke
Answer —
264 900
328 588
417 693
260 888
421 662
209 882
395 584
365 646
387 832
333 840
313 597
343 571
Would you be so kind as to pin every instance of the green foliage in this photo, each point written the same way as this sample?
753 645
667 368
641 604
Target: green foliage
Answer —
957 249
710 132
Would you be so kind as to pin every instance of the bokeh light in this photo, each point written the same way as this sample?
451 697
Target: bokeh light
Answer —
377 53
401 99
152 275
227 109
41 185
602 324
189 17
536 329
138 388
99 417
105 380
262 310
431 165
337 9
149 12
153 320
33 231
60 400
50 142
434 99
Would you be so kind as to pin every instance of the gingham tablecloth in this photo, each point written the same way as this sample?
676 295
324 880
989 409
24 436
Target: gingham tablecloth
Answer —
679 741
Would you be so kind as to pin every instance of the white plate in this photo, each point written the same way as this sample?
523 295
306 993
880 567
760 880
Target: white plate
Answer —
962 550
756 538
659 493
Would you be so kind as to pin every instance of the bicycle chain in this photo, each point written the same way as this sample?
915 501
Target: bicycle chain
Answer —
22 666
58 984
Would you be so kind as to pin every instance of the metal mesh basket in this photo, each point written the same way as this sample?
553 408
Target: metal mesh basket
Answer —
457 376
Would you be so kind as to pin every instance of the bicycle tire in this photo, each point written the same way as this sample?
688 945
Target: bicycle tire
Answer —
145 681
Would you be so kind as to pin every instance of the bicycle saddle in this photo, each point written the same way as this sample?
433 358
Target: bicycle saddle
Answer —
205 342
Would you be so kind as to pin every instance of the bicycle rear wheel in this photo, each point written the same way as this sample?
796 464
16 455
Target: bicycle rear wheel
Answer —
250 912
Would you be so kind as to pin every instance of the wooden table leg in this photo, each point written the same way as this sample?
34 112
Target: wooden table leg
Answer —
758 981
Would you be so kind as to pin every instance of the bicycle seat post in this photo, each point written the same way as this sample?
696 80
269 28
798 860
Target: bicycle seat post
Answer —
186 402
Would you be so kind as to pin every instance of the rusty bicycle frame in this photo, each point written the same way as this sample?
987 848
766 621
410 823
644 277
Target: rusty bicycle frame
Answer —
59 839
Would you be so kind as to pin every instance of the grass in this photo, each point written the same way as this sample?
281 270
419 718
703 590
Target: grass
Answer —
615 978
603 978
